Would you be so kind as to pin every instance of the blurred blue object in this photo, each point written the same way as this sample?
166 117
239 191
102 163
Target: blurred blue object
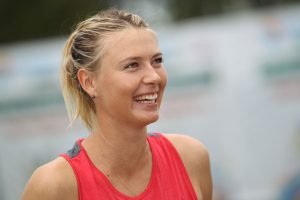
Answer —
291 190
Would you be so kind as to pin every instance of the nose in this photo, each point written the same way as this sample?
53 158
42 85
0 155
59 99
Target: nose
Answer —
151 75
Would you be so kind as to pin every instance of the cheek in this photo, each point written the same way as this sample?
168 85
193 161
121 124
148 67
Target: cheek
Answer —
117 86
163 77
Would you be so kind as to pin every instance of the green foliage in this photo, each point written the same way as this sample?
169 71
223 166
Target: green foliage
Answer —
194 8
33 19
24 20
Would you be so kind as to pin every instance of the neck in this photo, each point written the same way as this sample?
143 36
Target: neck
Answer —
119 145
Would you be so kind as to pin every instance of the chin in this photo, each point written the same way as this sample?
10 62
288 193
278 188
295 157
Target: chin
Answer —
153 120
146 120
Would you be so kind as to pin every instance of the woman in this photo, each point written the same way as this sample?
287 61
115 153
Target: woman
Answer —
113 79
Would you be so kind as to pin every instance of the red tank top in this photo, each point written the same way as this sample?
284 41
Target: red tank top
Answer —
169 178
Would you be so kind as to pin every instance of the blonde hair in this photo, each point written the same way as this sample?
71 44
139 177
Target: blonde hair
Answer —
82 50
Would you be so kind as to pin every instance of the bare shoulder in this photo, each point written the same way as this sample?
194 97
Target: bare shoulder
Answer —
54 180
189 148
195 157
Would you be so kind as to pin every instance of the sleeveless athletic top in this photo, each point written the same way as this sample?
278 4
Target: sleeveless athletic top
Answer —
169 179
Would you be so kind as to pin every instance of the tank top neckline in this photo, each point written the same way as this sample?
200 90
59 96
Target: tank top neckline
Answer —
141 195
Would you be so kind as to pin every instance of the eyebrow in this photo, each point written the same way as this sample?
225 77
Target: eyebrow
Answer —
136 58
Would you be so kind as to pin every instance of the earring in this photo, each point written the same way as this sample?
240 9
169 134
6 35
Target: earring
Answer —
93 96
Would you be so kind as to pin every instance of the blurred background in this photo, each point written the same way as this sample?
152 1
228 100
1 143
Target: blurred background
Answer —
234 83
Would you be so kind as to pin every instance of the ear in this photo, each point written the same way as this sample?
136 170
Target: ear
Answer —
87 81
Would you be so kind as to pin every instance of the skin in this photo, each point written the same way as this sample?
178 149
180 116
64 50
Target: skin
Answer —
131 65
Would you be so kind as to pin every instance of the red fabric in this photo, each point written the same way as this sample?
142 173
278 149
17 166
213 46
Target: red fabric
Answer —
169 179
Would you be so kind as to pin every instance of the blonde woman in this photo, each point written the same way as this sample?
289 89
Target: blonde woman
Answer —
113 79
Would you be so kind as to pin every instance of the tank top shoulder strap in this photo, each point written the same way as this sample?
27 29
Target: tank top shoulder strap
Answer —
90 181
170 162
165 145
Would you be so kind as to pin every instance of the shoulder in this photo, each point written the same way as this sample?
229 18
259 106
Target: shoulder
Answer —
54 180
195 158
189 148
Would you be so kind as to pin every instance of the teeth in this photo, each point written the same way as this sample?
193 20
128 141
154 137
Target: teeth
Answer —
146 98
152 101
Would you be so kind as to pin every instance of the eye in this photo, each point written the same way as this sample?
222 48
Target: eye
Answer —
158 60
132 65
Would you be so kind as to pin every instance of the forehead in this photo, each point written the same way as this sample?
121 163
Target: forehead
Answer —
131 42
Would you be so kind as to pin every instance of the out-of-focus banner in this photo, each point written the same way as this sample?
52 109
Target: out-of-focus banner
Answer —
234 83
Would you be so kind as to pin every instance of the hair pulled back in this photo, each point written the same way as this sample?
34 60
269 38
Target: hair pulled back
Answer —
83 50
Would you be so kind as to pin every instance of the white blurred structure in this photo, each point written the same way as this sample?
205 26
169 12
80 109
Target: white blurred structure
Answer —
234 83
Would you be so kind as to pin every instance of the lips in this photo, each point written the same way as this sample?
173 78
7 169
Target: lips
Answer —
146 98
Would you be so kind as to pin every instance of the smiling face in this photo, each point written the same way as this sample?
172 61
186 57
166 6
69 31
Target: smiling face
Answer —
130 82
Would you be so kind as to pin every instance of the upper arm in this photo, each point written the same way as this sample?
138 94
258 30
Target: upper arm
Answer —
195 157
54 180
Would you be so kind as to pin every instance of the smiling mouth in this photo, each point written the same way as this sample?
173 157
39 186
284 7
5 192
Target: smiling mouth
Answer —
147 98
